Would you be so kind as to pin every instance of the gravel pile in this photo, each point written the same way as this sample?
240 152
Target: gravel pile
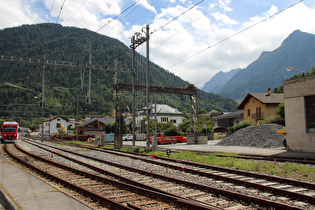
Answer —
260 136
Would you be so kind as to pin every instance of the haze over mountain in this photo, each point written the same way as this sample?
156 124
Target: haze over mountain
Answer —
219 80
269 70
73 44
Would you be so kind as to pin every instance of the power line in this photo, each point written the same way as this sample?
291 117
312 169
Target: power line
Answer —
239 32
60 10
190 23
176 17
104 25
75 12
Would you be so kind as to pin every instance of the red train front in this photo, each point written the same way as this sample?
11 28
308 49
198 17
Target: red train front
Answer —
10 131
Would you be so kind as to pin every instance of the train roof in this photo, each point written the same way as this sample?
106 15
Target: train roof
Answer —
10 122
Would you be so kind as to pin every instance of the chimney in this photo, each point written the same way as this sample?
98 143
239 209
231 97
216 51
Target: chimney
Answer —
269 92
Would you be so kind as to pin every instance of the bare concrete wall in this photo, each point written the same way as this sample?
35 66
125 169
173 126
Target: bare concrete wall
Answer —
298 139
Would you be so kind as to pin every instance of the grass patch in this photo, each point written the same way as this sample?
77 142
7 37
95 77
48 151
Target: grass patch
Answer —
288 170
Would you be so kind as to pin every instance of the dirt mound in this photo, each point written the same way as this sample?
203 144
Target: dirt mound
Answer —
260 136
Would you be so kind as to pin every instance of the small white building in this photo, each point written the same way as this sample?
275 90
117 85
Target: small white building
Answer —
52 125
164 114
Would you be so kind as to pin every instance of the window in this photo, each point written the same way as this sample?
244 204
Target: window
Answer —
164 119
258 112
95 125
248 112
310 113
58 125
173 121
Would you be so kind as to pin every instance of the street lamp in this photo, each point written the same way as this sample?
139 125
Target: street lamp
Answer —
293 69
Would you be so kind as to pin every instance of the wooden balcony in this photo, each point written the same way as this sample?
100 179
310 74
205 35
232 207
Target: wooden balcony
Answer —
258 116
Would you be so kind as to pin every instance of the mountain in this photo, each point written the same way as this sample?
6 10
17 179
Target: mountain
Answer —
218 81
56 42
269 70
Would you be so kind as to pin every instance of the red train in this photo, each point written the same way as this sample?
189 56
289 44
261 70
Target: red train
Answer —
10 131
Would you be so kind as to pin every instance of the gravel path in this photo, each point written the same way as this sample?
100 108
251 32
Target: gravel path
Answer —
261 136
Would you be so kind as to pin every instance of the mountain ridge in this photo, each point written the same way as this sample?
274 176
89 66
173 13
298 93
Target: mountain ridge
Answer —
269 69
61 43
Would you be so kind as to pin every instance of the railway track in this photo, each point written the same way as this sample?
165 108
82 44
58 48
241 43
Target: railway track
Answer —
108 193
210 198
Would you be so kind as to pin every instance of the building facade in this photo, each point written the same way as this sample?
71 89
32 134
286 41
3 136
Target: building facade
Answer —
52 125
228 119
299 101
164 114
260 106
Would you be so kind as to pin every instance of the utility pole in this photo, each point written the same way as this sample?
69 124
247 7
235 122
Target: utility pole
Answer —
155 146
117 140
89 91
43 99
136 41
133 91
148 88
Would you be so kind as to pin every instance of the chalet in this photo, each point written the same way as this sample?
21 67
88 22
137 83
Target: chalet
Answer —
96 125
260 106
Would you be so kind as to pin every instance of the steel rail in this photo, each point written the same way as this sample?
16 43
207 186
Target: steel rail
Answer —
165 197
64 182
207 166
294 195
194 204
232 195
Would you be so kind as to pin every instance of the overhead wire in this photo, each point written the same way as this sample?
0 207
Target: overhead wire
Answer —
205 13
75 12
237 33
60 11
176 17
89 37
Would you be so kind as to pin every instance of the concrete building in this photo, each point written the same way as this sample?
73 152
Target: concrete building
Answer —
260 106
299 101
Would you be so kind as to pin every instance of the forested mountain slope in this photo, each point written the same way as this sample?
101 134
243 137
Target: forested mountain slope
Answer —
56 42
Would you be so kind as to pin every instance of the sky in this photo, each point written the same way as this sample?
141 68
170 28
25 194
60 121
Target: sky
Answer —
192 39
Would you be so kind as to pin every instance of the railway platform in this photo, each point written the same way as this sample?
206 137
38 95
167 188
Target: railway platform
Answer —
22 190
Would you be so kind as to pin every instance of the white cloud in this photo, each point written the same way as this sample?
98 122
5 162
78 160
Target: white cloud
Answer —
224 19
18 12
146 5
238 51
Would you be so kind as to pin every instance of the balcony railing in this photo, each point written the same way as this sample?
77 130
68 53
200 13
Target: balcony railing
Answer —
258 116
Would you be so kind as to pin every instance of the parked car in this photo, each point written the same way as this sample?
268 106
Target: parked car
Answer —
127 137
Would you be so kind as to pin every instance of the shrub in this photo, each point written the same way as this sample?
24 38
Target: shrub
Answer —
274 120
239 126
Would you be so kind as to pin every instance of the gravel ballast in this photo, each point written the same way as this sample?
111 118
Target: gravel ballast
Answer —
260 136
